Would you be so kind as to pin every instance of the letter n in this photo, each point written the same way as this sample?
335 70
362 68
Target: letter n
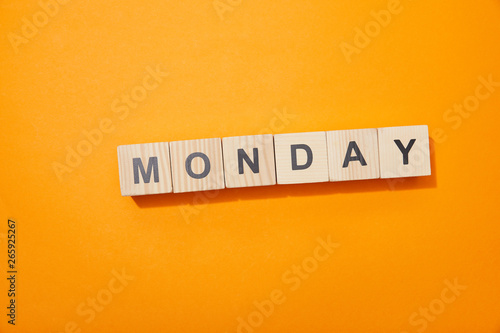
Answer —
242 156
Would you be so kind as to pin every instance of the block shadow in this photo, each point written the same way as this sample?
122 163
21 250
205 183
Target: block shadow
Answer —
297 190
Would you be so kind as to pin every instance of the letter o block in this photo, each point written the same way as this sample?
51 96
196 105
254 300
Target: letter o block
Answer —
301 158
197 165
144 169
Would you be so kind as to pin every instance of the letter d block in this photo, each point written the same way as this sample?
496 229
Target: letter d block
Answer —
197 165
144 169
404 151
301 158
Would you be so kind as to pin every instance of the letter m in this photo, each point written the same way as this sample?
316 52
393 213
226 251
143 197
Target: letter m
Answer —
146 175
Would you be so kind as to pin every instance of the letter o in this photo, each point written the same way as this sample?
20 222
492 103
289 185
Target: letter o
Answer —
189 169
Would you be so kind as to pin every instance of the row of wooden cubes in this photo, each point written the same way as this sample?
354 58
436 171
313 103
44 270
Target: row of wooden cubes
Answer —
261 160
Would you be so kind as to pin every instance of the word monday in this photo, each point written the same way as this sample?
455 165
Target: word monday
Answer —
261 160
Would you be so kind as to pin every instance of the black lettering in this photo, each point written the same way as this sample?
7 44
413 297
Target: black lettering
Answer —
349 158
309 153
189 169
404 150
146 176
242 156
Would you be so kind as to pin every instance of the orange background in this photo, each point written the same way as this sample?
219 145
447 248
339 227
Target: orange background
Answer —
399 241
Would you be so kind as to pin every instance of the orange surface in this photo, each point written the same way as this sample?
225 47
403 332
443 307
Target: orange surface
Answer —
199 262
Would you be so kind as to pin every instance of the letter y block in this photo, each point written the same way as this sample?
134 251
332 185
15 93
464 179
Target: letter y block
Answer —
404 151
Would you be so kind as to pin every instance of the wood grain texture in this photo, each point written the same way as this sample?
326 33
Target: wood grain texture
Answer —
392 161
316 172
346 144
126 155
266 174
212 150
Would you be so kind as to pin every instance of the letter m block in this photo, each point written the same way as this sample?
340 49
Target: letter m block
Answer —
145 169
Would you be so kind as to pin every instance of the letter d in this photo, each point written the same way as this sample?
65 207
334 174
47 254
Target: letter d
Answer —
309 153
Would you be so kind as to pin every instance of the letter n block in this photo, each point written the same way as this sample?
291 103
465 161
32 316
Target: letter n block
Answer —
301 158
249 161
197 165
404 151
144 169
353 154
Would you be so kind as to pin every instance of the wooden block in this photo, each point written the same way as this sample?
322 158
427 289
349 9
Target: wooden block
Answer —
144 168
249 161
353 154
404 151
197 165
301 158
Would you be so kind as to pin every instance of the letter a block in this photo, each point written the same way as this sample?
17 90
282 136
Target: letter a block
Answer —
144 169
404 151
249 161
353 154
301 158
197 165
